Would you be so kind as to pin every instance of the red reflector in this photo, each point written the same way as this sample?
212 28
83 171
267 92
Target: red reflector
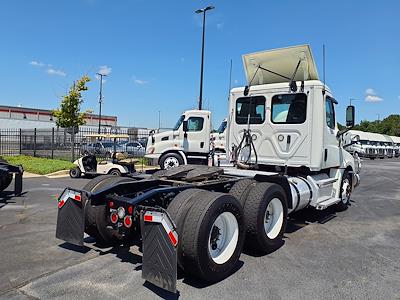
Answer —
114 218
130 210
172 238
61 204
111 204
77 197
148 218
127 221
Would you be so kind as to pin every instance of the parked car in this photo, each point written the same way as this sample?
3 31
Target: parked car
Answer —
101 148
132 147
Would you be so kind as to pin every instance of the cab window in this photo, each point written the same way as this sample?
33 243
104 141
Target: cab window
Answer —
330 113
253 107
289 108
195 124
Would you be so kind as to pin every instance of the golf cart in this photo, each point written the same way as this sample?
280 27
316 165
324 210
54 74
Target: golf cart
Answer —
119 164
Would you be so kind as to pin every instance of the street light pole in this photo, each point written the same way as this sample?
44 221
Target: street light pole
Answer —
203 11
100 98
159 120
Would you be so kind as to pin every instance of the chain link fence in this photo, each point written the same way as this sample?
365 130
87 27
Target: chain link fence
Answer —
64 144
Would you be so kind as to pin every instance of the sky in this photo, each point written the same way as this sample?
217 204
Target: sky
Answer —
150 51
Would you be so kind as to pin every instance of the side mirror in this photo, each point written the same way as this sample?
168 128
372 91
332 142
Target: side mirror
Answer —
246 90
185 126
350 116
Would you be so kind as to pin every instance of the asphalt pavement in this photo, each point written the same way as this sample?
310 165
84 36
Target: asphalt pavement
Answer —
349 255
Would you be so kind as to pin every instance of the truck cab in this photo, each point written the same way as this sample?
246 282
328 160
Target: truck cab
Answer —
364 147
285 121
187 142
218 138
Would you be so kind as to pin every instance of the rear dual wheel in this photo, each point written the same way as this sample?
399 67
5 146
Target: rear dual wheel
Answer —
96 216
265 213
211 233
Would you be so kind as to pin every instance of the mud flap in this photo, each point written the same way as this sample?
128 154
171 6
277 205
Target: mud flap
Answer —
71 218
159 240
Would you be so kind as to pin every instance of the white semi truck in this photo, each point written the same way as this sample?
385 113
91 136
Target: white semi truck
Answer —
365 147
287 154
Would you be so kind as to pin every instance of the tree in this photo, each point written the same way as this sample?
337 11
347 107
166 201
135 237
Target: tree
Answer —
69 115
390 125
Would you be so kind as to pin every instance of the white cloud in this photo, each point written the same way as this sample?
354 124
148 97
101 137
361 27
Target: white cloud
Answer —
37 63
140 81
52 71
105 70
220 25
371 96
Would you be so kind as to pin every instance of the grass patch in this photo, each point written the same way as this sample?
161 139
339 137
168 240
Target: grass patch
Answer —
39 165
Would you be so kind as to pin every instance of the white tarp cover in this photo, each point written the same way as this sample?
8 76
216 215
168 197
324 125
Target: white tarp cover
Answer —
282 61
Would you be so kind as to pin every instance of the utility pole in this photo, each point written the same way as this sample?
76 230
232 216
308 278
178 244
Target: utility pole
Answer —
100 98
379 117
159 120
203 11
352 99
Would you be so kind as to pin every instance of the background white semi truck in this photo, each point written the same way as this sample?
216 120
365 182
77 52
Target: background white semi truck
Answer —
287 154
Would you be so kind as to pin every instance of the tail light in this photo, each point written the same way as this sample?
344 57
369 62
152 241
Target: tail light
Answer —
128 221
130 210
111 204
114 218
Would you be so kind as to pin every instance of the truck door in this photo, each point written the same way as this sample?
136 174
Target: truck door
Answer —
331 155
197 139
290 140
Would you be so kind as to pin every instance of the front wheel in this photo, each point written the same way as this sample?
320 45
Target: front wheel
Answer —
75 172
170 160
345 192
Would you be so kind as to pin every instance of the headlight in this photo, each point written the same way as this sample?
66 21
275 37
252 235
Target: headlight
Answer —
150 150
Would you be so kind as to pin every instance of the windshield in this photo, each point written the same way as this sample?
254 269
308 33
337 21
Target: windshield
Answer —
178 124
108 144
222 127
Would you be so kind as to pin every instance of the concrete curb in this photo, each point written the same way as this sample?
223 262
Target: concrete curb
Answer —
62 173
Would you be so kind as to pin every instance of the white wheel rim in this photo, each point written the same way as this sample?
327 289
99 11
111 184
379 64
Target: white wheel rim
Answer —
273 218
223 238
171 162
346 191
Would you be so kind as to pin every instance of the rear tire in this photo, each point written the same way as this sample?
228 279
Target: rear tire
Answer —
241 189
265 214
75 172
178 210
115 172
170 160
212 237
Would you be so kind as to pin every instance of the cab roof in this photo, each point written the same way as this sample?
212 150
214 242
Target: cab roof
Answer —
281 61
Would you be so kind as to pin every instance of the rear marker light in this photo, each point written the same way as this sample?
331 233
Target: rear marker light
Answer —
111 204
61 203
77 197
128 221
148 218
114 218
172 238
130 210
